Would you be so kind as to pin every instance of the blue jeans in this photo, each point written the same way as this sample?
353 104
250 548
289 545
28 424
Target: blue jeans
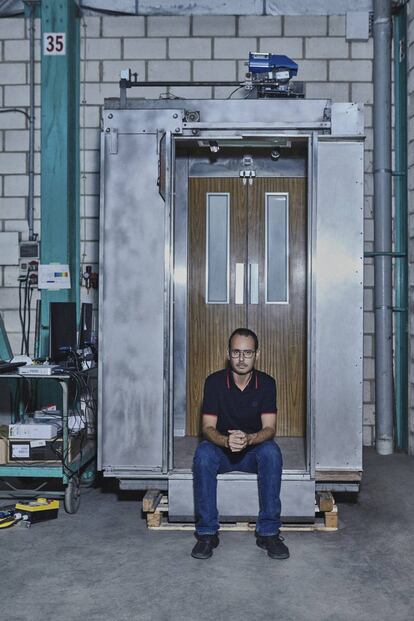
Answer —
210 460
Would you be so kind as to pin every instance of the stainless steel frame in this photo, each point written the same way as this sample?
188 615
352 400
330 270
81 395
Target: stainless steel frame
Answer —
180 310
144 457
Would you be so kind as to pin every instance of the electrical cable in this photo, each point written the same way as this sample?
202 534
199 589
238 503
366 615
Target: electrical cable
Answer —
83 175
3 111
29 317
21 316
235 90
26 345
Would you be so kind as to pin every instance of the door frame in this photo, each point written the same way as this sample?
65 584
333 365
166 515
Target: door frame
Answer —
176 277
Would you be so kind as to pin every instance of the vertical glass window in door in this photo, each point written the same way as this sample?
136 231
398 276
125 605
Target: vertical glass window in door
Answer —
277 248
217 247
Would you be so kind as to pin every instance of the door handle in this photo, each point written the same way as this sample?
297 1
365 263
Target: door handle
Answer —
239 296
253 283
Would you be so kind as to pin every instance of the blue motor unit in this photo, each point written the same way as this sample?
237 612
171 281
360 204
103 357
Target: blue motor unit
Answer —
271 74
280 67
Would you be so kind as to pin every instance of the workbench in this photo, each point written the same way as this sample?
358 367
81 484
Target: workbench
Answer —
69 470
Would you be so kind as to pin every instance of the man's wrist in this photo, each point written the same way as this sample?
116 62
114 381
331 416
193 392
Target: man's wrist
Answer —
226 441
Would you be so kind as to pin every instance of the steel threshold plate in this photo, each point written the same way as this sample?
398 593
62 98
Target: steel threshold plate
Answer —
237 497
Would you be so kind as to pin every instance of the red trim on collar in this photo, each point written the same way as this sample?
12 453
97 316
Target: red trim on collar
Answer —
257 380
228 379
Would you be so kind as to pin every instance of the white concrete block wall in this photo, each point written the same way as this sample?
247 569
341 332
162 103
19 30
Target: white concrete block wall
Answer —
180 48
411 224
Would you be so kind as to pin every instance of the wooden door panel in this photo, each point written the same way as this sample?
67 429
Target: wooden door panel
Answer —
281 328
209 325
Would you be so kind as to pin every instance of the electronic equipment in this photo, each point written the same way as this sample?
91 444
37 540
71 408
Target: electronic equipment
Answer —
37 510
85 328
28 257
63 332
35 431
29 512
270 74
39 369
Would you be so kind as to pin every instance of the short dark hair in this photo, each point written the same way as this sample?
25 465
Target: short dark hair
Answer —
245 332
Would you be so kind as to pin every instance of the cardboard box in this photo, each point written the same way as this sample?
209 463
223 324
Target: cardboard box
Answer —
3 450
4 429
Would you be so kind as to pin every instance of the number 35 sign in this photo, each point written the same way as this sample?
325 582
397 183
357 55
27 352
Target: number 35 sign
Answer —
54 43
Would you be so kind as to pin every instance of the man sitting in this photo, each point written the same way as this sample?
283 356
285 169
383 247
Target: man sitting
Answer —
239 426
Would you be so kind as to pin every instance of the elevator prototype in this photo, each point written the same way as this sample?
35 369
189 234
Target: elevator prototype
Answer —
249 215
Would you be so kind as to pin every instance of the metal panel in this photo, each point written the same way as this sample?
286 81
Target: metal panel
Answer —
339 306
229 166
347 118
264 113
213 7
180 296
237 497
311 302
143 121
131 305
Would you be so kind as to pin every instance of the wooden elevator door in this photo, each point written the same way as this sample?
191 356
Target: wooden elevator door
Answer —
280 327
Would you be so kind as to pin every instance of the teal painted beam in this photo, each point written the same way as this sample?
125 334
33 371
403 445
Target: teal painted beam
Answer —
60 220
5 348
401 228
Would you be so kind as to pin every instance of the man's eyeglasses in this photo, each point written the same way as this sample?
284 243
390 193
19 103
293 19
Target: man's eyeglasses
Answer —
246 353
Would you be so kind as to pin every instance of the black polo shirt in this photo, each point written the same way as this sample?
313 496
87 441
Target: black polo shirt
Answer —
235 408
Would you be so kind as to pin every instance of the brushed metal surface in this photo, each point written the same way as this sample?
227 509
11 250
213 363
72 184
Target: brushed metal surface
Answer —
237 497
143 121
347 118
132 304
339 306
180 296
132 279
224 165
296 112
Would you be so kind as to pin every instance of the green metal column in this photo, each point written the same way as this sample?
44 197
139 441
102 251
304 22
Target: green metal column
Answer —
60 73
401 228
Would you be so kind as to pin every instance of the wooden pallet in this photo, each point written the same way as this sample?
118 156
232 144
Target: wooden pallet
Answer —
155 507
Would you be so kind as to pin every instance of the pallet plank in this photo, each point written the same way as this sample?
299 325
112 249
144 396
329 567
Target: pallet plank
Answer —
157 517
331 518
151 500
154 519
326 501
317 526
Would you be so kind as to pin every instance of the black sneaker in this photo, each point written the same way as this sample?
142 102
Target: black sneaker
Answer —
205 546
274 546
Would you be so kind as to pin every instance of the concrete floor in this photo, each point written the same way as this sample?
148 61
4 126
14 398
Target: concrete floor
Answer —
103 564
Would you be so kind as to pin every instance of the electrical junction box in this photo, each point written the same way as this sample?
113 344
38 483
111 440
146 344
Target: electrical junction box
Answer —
28 257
